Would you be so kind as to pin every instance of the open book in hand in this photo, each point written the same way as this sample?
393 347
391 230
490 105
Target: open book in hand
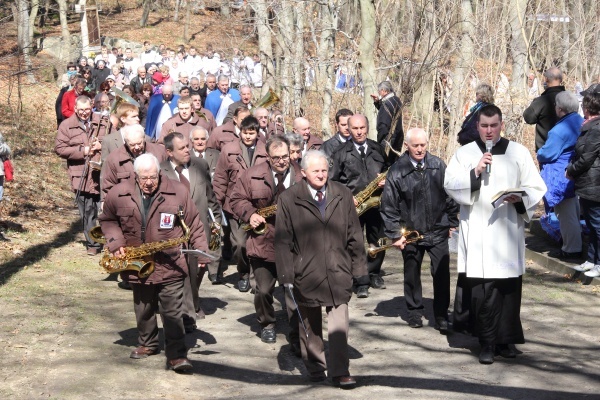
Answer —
501 196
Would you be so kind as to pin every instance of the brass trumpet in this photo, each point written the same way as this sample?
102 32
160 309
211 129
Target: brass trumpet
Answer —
386 243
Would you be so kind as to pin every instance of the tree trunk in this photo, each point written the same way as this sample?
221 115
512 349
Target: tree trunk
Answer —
518 49
366 58
21 16
176 13
188 16
466 60
325 54
285 22
44 16
265 45
85 34
35 6
297 60
225 10
146 13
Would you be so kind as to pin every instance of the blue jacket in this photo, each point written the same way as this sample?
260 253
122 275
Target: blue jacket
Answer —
214 100
154 107
554 157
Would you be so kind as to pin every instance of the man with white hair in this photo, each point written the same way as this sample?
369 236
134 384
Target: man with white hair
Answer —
76 143
150 208
183 81
319 250
119 164
301 126
414 199
218 102
198 139
246 100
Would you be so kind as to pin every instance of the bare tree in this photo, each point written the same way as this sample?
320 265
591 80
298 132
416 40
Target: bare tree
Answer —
368 37
21 16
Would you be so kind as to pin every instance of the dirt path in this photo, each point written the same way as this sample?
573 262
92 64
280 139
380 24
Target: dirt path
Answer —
67 333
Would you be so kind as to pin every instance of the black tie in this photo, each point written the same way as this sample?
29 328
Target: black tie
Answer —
182 177
419 166
250 154
280 186
361 148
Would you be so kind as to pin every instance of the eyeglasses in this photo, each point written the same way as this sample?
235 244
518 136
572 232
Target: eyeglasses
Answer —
282 158
84 110
265 117
148 178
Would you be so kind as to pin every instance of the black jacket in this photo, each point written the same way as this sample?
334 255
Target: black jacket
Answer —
390 111
331 145
416 200
138 82
349 169
541 112
585 165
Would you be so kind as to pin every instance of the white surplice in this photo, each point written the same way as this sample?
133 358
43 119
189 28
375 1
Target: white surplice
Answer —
492 241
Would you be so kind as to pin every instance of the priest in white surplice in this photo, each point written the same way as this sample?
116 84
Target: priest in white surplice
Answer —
491 251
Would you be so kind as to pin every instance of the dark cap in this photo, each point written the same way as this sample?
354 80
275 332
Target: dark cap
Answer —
593 89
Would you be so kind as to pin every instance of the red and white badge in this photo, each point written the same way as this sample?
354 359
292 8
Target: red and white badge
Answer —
167 221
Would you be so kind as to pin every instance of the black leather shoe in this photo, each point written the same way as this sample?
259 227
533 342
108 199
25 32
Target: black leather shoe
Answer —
506 351
415 321
441 324
268 335
216 279
487 354
563 255
244 285
377 282
362 292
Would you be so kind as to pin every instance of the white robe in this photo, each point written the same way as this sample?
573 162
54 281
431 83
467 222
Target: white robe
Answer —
492 241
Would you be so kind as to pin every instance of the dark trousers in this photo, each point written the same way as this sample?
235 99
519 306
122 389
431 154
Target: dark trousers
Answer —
462 320
88 210
265 277
591 213
146 300
313 349
440 271
496 305
372 224
238 246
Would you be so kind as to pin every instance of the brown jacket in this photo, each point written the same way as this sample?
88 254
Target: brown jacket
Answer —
233 159
71 139
121 223
200 189
319 256
314 143
176 124
221 136
254 189
119 165
112 142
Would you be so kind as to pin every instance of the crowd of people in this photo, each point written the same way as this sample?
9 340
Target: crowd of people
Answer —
212 173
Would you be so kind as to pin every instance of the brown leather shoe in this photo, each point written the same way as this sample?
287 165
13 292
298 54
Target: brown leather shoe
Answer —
143 352
344 381
180 365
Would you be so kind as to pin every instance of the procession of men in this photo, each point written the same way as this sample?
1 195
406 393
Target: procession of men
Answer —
212 179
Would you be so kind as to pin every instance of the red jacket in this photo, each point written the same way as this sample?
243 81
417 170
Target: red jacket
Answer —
254 189
71 139
68 103
121 223
232 160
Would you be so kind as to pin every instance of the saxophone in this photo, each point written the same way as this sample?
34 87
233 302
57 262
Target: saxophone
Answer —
264 212
139 258
365 199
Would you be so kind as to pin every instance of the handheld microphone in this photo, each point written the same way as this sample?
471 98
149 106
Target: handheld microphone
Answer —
488 149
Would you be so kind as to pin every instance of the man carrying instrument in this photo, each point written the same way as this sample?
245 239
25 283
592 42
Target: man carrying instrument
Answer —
196 178
257 188
318 251
414 199
357 164
79 141
145 211
235 158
